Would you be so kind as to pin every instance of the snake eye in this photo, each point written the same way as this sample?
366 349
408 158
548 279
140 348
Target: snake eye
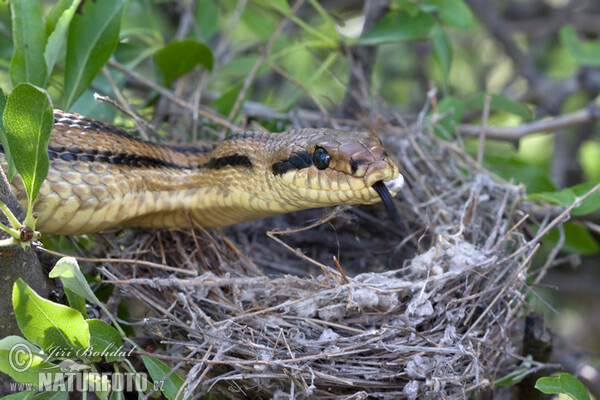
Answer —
321 158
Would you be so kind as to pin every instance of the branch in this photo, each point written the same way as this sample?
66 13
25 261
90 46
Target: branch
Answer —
16 263
513 133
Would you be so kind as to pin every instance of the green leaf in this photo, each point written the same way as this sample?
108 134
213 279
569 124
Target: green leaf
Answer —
399 26
92 38
207 17
55 13
4 141
454 13
76 301
567 196
280 5
56 30
564 198
29 37
27 394
117 395
23 361
578 239
516 376
105 339
99 381
585 53
563 383
225 103
591 203
48 324
500 102
454 109
512 378
533 177
178 58
158 370
442 51
52 395
28 119
71 277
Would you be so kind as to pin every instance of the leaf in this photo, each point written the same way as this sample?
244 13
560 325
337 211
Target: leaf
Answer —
591 203
512 378
454 13
207 17
178 58
47 324
71 277
578 239
563 383
93 36
280 5
99 382
28 119
568 196
56 30
585 53
117 395
399 26
55 13
105 339
500 102
225 103
29 37
533 177
4 141
453 109
76 301
52 395
27 394
23 361
564 198
442 51
505 103
158 370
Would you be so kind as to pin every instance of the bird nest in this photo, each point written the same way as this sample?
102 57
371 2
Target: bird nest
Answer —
352 305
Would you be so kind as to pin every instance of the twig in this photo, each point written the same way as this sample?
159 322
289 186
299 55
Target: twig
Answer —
171 96
483 127
261 60
545 125
123 261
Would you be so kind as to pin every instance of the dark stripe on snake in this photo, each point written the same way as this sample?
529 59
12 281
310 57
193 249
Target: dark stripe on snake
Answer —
296 161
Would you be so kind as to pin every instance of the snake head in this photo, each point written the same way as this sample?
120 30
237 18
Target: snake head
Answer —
324 167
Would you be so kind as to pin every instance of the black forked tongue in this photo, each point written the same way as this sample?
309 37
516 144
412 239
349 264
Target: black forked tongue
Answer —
388 201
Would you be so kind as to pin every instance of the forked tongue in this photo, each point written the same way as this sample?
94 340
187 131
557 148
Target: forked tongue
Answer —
387 200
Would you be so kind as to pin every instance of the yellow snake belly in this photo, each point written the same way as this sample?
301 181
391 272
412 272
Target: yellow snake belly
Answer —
101 177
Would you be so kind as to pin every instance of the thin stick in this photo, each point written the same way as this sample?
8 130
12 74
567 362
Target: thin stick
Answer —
261 60
123 261
482 129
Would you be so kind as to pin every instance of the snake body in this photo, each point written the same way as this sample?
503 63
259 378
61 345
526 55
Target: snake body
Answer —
101 177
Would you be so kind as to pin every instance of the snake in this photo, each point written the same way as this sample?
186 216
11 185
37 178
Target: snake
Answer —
101 177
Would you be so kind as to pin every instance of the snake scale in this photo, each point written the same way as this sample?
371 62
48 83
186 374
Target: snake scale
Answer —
101 177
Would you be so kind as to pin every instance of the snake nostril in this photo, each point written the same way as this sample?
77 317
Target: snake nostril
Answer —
353 166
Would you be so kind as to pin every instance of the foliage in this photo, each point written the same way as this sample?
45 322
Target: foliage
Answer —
563 383
59 339
27 122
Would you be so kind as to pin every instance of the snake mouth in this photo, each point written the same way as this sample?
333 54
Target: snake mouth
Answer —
382 190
